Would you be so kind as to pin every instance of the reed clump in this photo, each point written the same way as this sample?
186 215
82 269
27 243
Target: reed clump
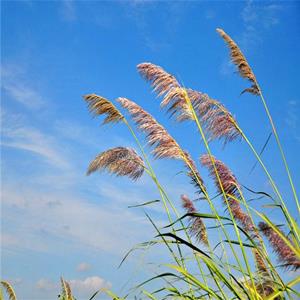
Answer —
244 270
215 253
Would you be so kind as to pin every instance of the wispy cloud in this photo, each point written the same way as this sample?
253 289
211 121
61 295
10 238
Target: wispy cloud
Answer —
257 19
80 287
292 118
139 11
89 285
68 10
209 14
46 285
83 267
73 220
15 85
16 134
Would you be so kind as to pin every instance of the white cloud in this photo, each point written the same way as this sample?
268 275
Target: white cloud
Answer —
79 287
17 135
258 18
46 285
14 83
40 227
83 267
88 285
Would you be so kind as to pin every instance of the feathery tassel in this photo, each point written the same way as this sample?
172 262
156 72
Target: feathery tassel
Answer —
215 118
264 284
285 254
240 61
66 290
120 161
260 263
164 144
218 122
9 290
100 106
197 226
161 81
228 183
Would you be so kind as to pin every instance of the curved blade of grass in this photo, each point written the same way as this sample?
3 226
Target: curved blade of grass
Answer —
194 280
257 193
261 151
137 247
208 261
182 241
233 242
143 204
166 274
200 215
150 296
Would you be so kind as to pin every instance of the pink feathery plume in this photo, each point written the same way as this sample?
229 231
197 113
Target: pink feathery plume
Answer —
120 161
238 58
197 226
227 182
164 145
161 81
284 252
216 119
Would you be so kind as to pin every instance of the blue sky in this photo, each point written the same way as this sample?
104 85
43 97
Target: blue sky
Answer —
55 220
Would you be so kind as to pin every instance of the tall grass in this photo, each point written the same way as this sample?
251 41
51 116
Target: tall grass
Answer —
245 270
238 265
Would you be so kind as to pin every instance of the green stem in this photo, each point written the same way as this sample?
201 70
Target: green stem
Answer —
279 146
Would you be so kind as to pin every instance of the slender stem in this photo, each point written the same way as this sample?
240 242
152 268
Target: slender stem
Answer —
163 195
223 192
279 146
287 215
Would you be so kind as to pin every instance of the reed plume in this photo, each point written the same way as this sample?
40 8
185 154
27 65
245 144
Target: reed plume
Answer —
66 290
9 290
164 144
240 61
284 252
260 263
215 118
264 286
100 106
227 182
166 84
197 226
196 179
120 161
161 81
